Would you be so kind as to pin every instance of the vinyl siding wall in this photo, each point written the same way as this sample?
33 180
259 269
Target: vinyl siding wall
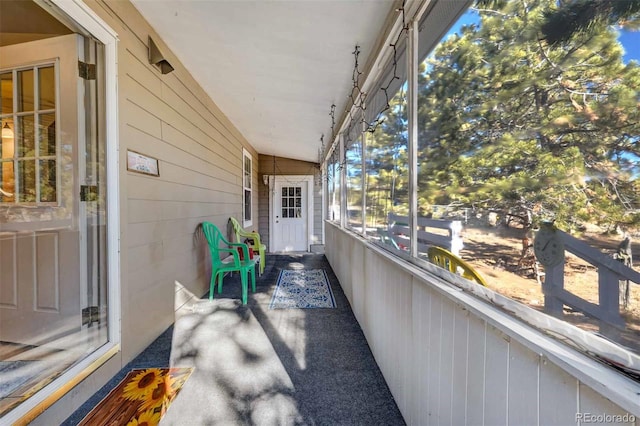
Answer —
446 362
164 261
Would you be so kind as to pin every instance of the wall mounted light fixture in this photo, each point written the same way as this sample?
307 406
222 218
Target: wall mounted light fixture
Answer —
265 180
7 133
157 58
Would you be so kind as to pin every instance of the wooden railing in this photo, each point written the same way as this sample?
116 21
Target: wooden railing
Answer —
610 273
610 270
398 230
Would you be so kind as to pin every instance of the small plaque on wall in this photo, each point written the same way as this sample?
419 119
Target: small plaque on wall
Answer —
141 163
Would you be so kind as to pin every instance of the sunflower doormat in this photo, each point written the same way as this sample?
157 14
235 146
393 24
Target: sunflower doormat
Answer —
141 398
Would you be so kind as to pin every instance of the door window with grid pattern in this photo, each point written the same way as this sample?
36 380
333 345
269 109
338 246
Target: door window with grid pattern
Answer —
28 152
291 202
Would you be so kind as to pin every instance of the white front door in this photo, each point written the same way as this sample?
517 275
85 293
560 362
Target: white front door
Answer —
43 223
290 214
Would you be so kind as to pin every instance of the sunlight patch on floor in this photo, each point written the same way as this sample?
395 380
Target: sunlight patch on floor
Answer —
291 329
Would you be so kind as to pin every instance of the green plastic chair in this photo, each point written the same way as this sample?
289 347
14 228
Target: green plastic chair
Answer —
256 246
230 263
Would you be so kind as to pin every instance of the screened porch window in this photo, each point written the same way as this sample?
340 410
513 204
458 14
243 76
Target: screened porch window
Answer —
516 138
387 174
353 180
504 160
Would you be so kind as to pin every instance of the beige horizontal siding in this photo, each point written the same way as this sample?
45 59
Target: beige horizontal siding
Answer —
263 213
171 118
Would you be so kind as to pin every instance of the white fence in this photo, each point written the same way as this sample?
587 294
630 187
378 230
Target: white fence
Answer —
399 231
610 273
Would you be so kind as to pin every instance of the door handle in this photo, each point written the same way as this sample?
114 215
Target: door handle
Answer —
5 193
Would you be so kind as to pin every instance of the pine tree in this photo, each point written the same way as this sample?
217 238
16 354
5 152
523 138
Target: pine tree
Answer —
577 16
510 123
387 159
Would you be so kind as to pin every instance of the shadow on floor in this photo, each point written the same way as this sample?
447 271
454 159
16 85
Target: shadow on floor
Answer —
255 365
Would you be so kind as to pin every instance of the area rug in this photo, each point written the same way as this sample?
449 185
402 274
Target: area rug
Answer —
302 288
142 397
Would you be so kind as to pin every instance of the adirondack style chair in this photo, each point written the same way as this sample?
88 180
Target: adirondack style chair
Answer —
257 246
449 261
219 245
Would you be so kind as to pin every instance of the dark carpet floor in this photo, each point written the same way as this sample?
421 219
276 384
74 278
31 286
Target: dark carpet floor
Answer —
257 366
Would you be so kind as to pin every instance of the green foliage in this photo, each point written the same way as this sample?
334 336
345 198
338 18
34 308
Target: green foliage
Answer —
508 121
387 159
579 16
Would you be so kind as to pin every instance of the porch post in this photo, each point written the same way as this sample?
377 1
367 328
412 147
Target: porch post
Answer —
412 115
343 186
325 194
552 288
363 147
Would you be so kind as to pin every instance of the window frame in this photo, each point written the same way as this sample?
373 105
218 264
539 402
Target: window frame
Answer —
246 155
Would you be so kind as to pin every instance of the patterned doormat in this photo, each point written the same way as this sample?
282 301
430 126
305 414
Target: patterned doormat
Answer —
142 397
302 288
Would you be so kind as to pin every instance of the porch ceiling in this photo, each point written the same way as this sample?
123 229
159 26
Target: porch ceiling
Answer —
274 67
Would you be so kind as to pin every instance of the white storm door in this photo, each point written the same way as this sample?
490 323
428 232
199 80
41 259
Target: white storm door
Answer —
290 213
40 233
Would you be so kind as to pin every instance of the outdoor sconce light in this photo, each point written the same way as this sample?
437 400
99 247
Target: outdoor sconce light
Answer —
7 133
265 180
157 58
